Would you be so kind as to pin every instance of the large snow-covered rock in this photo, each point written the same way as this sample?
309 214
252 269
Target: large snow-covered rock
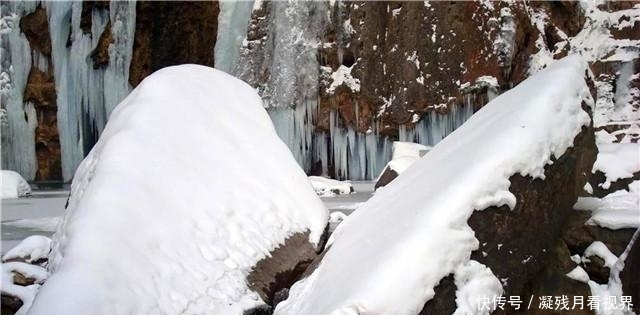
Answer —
404 155
186 191
390 256
14 185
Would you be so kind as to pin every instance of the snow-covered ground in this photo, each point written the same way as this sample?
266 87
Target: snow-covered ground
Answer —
40 213
35 215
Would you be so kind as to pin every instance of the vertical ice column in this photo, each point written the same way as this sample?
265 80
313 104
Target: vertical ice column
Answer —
233 20
59 14
123 25
86 95
18 120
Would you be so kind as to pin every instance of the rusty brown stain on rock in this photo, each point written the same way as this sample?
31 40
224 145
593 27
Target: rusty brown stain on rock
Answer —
86 18
171 33
35 27
40 92
100 55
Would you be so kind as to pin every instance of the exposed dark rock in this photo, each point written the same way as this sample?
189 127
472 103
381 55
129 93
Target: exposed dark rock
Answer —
596 270
273 276
35 27
169 33
386 177
528 232
444 301
20 279
87 9
579 236
598 178
260 310
100 55
10 304
523 246
40 92
552 281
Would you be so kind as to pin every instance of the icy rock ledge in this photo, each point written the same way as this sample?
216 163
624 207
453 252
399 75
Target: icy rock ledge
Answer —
182 204
521 159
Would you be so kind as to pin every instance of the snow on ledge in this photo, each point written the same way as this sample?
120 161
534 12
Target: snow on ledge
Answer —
188 187
328 187
617 210
617 161
416 230
31 249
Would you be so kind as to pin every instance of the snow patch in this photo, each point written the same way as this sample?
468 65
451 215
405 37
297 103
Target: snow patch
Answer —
330 187
13 185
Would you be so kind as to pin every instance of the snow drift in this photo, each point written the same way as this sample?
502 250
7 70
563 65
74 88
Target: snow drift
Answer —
387 257
14 185
187 189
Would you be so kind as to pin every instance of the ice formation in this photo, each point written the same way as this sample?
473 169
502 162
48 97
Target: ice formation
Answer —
85 96
13 185
18 133
430 238
200 207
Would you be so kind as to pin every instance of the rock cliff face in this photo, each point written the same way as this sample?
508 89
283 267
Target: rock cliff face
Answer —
341 79
171 33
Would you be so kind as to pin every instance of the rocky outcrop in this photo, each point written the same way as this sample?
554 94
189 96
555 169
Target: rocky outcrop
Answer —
272 276
385 178
171 33
40 93
521 244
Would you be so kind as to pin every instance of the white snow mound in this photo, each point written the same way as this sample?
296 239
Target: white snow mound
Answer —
14 185
186 190
387 257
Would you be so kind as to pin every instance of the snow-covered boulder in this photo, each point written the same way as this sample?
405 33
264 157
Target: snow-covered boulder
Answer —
187 194
328 187
33 249
617 165
20 282
521 159
404 155
14 185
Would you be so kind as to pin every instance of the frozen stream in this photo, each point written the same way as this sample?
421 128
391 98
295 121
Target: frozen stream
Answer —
40 213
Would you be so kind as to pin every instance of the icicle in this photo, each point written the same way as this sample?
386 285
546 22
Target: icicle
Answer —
233 20
18 120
